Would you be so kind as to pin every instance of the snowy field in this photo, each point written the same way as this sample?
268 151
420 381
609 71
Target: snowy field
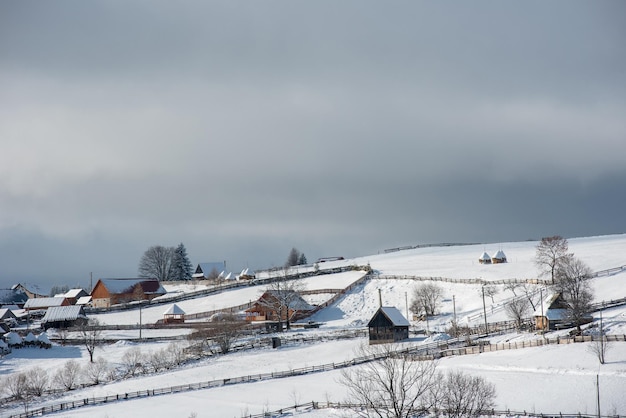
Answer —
549 379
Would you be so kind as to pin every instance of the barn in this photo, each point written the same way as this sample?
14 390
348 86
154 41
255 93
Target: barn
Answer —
109 292
388 325
64 317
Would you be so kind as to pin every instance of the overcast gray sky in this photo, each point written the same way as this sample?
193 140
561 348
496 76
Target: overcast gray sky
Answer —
243 129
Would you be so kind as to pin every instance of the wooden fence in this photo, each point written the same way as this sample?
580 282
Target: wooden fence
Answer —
421 352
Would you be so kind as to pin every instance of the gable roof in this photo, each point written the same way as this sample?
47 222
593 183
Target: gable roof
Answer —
42 303
75 293
12 296
554 307
500 255
64 313
36 289
6 314
121 286
83 300
393 315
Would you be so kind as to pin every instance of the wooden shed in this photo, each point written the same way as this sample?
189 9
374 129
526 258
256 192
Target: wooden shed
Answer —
552 314
388 325
174 315
45 303
64 317
109 292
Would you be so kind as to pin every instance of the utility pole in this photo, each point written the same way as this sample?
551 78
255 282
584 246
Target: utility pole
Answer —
406 303
140 306
454 325
485 311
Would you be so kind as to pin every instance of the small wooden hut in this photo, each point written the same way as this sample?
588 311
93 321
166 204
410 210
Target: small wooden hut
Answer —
388 325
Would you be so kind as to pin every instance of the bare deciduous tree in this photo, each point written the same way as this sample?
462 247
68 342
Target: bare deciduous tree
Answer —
394 386
67 376
571 280
132 361
600 345
517 309
91 335
550 252
37 380
157 262
426 298
284 295
461 395
97 371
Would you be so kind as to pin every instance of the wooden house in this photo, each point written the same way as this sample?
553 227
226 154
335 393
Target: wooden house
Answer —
498 257
108 292
388 325
32 290
45 303
174 315
64 317
552 314
485 258
279 306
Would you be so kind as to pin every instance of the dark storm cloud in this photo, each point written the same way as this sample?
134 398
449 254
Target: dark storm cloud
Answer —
245 128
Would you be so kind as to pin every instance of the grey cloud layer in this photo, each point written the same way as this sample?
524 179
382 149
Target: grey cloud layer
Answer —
243 129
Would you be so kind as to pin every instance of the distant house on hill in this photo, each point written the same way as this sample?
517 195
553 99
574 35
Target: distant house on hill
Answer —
109 292
212 270
32 290
388 325
498 258
45 303
64 317
271 306
485 258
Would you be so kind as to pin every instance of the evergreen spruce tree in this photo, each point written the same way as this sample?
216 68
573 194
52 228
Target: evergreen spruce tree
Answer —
182 268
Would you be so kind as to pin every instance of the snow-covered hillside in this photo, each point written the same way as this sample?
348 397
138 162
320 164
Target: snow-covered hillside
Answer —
549 379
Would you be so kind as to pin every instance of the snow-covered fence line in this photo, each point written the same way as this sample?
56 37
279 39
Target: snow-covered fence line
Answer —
424 349
484 348
609 272
605 304
308 406
463 281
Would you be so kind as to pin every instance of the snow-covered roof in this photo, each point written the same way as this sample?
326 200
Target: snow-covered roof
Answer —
64 313
84 300
295 300
395 316
174 310
553 307
6 313
42 303
75 293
